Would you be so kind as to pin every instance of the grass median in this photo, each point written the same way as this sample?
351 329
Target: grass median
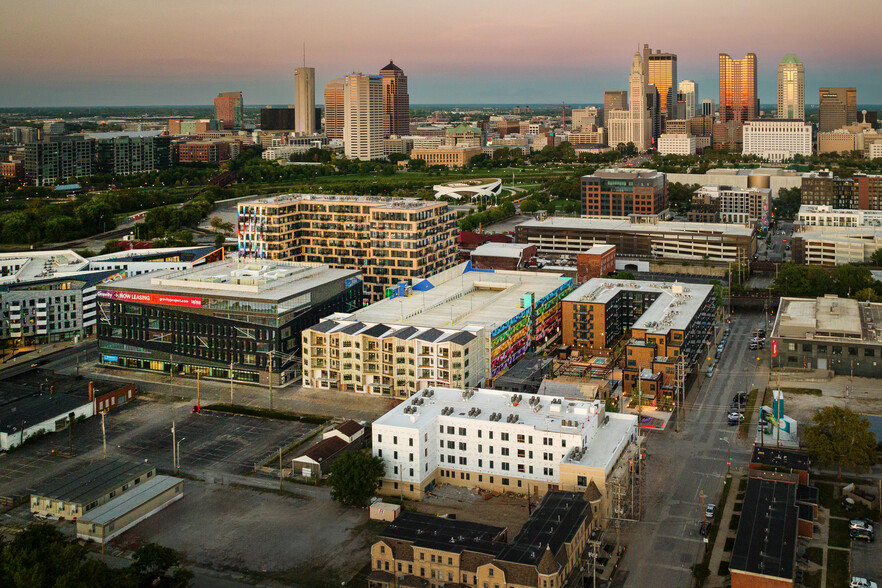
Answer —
265 413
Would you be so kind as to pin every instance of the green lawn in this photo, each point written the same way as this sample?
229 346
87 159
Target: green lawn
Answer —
838 535
815 554
748 415
837 570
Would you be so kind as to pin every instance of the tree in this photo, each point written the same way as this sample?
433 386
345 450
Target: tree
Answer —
625 275
841 437
355 476
218 224
876 258
153 561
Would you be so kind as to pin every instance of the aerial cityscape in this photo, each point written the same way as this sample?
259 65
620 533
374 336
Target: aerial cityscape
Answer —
494 295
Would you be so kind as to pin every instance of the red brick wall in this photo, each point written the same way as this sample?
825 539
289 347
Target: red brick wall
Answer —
744 580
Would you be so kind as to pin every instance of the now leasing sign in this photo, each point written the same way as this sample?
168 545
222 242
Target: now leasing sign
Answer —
148 298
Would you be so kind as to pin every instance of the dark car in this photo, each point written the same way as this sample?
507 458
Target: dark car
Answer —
739 398
862 534
704 528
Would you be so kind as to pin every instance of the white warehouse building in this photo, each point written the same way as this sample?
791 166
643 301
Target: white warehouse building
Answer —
501 442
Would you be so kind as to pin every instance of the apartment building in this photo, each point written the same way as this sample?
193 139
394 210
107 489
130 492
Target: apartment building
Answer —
824 189
777 140
58 158
363 116
387 239
503 442
457 328
738 205
716 242
131 152
811 215
619 193
663 322
419 550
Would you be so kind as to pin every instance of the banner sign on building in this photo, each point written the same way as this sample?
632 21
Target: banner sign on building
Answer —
148 298
774 348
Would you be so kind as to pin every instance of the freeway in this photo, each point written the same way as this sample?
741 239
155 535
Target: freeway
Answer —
680 467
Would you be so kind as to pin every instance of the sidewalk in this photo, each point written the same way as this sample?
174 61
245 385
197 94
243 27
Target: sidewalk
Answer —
719 554
34 352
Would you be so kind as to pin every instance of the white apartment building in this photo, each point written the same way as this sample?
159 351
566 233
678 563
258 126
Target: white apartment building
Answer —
777 140
813 215
499 441
363 116
676 144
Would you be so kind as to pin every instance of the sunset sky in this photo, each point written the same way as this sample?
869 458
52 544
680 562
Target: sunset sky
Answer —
127 52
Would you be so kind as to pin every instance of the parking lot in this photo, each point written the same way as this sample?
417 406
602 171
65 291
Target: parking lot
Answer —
866 560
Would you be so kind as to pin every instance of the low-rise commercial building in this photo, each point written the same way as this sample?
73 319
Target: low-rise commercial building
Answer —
232 320
316 461
562 236
503 256
416 549
596 262
457 328
135 262
811 215
85 489
501 442
450 156
664 323
777 139
387 239
120 514
829 333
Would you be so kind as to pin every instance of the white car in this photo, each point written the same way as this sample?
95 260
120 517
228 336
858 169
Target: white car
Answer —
710 510
857 582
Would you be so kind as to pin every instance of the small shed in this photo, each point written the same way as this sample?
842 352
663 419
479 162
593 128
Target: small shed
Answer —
382 511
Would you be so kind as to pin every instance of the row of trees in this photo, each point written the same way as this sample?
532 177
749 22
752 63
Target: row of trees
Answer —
809 281
487 217
40 556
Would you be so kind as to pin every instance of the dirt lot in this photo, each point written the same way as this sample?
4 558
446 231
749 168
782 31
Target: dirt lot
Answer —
864 395
277 536
507 510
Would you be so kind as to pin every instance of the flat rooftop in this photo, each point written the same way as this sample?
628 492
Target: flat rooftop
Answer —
263 280
89 483
674 307
451 535
550 526
130 500
829 318
456 299
377 201
624 225
25 266
615 173
540 412
514 250
598 249
30 410
156 254
784 458
767 533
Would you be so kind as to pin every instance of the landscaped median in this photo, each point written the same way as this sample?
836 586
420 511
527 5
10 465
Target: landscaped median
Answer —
279 415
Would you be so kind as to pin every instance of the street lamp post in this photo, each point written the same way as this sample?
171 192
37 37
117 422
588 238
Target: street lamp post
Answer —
178 465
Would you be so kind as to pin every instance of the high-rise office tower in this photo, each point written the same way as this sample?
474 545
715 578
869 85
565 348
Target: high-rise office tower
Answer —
791 88
304 100
334 117
633 125
654 111
660 69
396 101
228 109
363 116
838 107
615 100
707 107
738 98
689 90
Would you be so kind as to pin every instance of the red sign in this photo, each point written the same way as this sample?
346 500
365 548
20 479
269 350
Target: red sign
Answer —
148 298
774 348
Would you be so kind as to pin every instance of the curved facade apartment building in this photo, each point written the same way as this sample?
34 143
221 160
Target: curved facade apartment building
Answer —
389 240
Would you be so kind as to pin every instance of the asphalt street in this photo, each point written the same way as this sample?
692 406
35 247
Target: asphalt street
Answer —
687 469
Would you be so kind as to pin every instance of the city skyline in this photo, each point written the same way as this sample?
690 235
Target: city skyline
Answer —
460 61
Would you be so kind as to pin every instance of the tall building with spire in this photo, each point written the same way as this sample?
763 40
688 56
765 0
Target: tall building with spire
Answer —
304 100
635 124
396 101
738 94
660 69
791 88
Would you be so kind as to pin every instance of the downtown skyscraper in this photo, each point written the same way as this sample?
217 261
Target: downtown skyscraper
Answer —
334 115
304 100
738 93
791 88
396 101
837 107
660 70
689 91
363 116
228 109
635 124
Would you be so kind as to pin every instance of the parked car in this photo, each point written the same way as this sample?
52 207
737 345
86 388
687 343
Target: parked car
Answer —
862 534
858 582
704 528
865 524
740 398
710 371
710 510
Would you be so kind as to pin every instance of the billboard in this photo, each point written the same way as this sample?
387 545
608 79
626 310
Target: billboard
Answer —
148 298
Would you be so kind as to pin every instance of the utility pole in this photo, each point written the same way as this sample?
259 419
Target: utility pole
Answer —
174 448
103 434
269 369
280 468
703 509
70 420
198 403
231 382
